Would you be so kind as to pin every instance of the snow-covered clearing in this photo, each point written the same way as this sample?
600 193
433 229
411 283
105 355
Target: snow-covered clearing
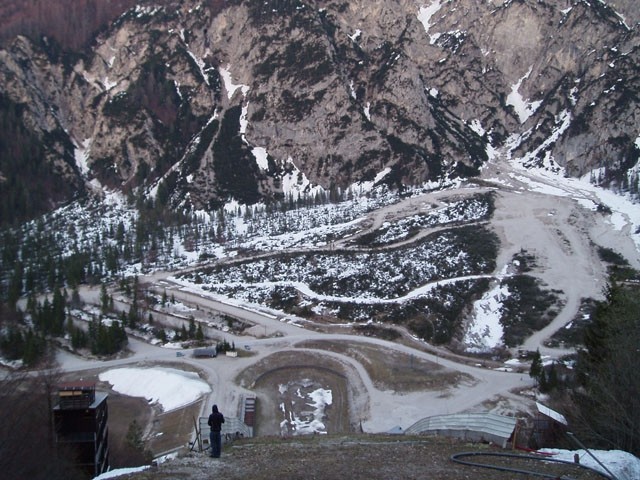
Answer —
168 387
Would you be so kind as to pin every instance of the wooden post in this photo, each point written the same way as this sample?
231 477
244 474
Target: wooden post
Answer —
198 436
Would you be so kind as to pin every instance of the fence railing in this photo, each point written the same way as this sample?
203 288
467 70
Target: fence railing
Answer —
232 429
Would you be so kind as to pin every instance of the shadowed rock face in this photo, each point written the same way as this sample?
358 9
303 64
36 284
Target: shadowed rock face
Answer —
199 103
73 23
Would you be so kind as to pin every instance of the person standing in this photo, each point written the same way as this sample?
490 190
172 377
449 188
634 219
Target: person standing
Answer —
216 419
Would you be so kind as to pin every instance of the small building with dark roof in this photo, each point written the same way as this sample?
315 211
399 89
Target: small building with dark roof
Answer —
209 352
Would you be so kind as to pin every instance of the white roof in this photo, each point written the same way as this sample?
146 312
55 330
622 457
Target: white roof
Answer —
490 423
558 417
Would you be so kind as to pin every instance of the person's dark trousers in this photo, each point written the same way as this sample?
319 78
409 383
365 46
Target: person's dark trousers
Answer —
214 440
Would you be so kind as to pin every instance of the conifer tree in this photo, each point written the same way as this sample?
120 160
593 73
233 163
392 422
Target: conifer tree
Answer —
58 312
192 327
552 381
607 404
537 370
162 335
200 333
104 298
15 286
134 436
76 301
34 348
132 317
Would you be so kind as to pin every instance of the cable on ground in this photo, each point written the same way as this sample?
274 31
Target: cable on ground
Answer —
456 457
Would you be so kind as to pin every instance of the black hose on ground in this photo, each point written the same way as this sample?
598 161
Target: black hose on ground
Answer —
456 457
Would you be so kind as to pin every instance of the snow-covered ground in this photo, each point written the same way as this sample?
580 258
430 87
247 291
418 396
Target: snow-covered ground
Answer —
168 387
310 418
119 472
622 464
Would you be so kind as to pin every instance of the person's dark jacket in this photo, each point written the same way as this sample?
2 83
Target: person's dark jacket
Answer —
216 419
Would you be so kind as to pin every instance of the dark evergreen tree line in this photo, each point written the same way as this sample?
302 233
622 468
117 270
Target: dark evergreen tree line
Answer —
28 346
607 402
601 399
546 377
193 332
51 319
105 339
225 346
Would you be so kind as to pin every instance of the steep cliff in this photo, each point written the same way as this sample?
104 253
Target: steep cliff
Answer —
197 103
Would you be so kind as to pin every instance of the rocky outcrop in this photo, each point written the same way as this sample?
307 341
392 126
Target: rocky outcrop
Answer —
194 104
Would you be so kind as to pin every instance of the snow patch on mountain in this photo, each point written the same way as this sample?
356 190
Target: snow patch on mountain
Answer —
229 84
363 187
524 109
260 154
201 66
81 154
425 14
296 184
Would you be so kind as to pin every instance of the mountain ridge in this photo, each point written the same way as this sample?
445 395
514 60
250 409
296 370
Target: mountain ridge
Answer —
241 100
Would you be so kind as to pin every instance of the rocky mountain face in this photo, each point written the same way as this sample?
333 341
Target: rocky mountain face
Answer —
195 103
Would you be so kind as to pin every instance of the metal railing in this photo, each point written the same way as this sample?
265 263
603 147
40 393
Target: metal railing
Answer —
231 428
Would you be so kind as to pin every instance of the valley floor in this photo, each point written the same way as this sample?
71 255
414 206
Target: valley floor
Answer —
558 224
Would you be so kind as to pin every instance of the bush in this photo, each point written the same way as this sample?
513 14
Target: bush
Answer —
527 309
